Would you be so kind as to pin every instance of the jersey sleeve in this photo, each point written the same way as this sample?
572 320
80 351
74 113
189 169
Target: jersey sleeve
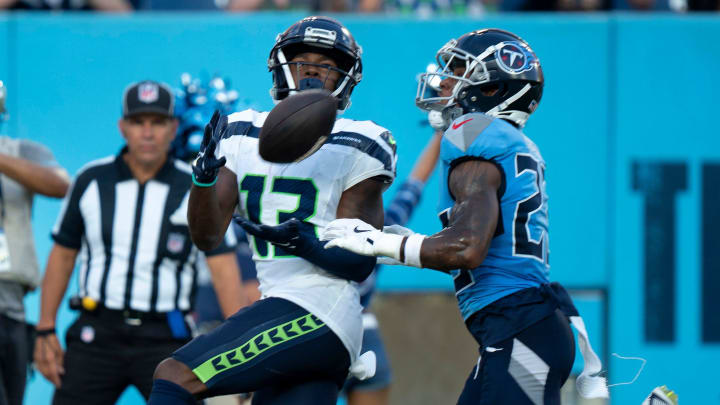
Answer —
241 125
478 136
375 152
70 226
37 153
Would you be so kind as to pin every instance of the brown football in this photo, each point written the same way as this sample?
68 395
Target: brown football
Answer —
297 126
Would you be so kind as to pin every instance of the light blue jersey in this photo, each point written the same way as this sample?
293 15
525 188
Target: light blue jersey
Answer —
518 254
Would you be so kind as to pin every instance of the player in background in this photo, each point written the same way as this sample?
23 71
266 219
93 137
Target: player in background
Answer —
494 211
299 342
195 102
376 390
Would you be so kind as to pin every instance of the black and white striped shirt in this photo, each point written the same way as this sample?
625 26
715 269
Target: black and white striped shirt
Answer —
134 242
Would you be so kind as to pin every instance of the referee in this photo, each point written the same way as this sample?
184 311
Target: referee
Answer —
124 220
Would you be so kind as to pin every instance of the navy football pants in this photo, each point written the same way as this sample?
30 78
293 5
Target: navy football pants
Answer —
526 369
276 349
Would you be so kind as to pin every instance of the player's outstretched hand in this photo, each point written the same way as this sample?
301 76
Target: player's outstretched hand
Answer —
285 235
48 358
362 238
206 166
438 121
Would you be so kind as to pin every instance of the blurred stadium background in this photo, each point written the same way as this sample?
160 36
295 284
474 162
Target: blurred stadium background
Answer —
626 125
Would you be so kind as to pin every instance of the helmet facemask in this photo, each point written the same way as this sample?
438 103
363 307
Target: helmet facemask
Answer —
321 35
346 79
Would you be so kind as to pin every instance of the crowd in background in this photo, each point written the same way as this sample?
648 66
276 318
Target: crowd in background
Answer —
422 8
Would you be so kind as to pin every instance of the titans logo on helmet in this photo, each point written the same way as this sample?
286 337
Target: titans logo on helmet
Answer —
513 58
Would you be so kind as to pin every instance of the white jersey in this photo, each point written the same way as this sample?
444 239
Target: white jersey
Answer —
310 190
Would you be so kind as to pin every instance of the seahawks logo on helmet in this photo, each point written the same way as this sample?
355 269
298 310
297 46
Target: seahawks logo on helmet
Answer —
513 58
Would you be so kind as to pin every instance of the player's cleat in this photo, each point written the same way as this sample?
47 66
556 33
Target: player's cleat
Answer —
661 396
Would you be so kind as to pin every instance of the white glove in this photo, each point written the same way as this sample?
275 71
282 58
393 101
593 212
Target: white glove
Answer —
437 121
361 238
397 230
365 366
388 261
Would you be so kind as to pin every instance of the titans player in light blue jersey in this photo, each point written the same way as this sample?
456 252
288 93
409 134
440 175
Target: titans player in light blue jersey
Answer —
494 210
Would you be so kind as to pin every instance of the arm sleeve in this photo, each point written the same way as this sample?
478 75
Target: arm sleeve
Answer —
336 261
70 226
37 153
404 202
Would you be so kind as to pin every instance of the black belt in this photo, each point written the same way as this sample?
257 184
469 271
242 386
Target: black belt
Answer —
128 316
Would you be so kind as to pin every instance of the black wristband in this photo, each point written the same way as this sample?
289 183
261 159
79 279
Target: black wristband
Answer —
44 332
402 249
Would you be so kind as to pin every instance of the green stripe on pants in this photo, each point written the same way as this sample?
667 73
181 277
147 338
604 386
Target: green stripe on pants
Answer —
259 344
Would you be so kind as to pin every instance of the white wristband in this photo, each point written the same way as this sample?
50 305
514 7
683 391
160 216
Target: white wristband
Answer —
388 244
412 249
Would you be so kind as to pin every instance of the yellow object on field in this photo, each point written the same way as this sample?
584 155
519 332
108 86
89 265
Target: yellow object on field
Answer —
89 304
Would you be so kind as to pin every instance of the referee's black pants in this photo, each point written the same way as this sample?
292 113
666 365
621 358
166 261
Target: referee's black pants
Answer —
106 354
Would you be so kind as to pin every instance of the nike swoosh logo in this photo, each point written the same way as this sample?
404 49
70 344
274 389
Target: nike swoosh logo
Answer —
459 124
493 349
360 230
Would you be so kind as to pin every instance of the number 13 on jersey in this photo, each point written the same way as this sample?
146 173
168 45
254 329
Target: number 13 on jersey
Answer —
253 192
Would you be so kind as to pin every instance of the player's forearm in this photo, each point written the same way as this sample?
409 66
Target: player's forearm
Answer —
450 252
338 262
226 281
204 219
55 281
465 243
49 181
210 210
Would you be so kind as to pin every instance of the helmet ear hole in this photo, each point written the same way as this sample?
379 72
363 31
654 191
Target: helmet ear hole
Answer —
490 89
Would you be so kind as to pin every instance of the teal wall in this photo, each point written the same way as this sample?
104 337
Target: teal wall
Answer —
620 90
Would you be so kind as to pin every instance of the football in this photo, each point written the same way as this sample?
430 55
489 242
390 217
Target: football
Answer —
297 126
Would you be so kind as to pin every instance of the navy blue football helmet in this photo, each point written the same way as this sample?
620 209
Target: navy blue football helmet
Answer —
497 74
322 35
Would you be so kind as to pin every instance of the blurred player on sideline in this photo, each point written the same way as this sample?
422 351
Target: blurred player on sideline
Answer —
299 342
376 390
27 168
493 206
195 102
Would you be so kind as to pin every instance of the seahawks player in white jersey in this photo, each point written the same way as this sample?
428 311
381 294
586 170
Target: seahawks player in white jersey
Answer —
495 242
299 342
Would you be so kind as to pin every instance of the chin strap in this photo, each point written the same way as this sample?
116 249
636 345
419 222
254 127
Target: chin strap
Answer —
286 71
518 117
510 100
